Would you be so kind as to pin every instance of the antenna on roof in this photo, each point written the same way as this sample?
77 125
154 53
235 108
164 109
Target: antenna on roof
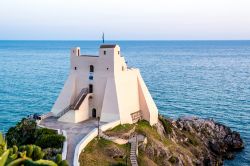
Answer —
102 37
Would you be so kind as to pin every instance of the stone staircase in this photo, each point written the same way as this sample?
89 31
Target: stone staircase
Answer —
133 141
134 151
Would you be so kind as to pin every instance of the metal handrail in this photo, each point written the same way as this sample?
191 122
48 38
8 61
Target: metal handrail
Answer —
76 103
80 98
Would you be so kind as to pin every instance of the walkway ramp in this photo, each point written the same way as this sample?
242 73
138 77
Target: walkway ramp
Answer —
76 104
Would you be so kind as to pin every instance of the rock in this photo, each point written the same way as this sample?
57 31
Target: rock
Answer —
218 140
229 156
233 141
115 152
215 147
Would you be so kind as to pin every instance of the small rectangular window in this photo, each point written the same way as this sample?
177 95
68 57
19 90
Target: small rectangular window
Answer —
104 52
118 52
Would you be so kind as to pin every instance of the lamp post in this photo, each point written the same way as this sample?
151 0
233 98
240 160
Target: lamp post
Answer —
98 124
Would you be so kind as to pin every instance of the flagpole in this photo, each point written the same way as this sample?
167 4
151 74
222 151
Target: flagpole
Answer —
102 37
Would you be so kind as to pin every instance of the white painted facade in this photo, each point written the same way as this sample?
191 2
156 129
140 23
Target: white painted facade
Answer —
116 92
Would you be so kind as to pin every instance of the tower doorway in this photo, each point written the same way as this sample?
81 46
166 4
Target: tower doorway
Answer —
93 113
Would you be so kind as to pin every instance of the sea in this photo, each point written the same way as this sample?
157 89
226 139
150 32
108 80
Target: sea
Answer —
207 79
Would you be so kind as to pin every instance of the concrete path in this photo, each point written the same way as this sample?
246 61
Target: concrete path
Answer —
75 132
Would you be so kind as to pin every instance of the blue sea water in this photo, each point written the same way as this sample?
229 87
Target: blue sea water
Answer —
208 79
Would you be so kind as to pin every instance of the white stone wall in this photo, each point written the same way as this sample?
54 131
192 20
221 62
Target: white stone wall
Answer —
117 90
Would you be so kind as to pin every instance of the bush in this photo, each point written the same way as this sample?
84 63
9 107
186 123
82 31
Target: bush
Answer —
44 131
37 153
63 163
58 158
29 150
2 144
26 132
23 133
166 124
50 141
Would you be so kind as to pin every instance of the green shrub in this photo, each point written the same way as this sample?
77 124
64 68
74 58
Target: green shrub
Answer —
37 153
15 149
58 158
4 157
29 150
44 131
29 162
50 141
22 148
23 133
26 132
2 144
39 163
63 163
166 124
17 162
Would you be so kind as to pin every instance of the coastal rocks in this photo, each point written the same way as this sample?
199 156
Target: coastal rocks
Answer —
183 142
217 139
191 141
115 152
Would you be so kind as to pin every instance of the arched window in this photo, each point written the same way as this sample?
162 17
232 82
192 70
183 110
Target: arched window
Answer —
90 88
91 68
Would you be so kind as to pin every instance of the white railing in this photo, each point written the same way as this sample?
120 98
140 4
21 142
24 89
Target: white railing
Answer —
84 142
65 145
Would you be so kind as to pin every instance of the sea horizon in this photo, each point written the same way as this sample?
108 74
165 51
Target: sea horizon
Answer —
203 78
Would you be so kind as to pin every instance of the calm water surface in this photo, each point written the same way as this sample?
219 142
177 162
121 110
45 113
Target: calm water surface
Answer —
208 79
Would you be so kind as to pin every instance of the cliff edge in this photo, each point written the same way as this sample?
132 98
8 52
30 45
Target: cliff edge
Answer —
185 141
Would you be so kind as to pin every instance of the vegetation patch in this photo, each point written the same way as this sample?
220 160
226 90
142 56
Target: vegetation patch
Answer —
30 155
30 145
120 130
101 152
173 160
27 132
166 124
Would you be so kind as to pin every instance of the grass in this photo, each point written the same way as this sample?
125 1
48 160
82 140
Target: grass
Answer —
144 160
166 124
95 154
120 129
144 128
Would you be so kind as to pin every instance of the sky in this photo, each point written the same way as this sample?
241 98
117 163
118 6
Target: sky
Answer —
125 19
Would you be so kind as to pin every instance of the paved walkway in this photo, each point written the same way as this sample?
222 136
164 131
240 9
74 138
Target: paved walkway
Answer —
75 132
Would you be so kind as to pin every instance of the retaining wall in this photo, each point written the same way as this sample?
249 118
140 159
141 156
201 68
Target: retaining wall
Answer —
84 142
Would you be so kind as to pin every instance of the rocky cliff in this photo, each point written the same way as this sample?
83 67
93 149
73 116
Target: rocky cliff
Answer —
182 142
191 141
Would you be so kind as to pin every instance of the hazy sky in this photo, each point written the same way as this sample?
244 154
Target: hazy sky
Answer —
125 19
